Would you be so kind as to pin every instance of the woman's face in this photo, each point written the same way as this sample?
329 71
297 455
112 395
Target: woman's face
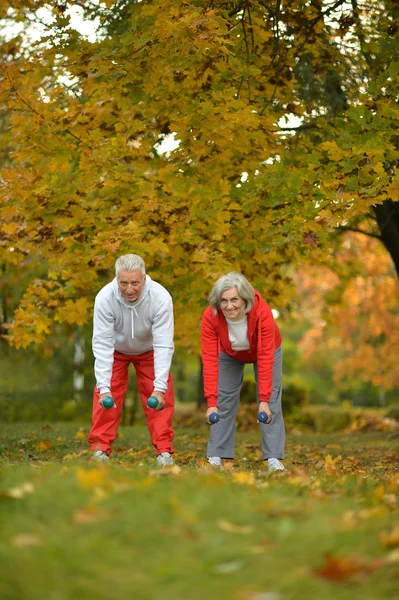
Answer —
231 304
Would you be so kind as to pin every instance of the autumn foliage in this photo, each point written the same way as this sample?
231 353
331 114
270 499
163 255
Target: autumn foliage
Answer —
350 304
298 97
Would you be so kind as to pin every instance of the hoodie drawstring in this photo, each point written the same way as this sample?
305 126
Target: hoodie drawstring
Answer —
131 312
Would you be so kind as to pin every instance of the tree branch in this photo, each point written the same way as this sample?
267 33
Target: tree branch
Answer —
360 34
356 230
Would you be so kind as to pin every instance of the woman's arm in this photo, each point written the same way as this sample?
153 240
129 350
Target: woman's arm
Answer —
210 351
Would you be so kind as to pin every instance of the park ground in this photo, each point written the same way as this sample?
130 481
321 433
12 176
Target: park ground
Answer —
326 528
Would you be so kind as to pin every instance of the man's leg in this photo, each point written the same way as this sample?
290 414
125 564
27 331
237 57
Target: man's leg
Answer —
159 422
222 434
105 423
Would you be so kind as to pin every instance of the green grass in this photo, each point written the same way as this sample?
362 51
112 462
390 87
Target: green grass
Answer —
323 529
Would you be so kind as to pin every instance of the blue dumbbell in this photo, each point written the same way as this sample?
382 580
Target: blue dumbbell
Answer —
108 402
152 402
263 417
214 418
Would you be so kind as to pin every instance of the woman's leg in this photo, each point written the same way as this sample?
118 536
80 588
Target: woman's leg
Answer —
230 378
273 434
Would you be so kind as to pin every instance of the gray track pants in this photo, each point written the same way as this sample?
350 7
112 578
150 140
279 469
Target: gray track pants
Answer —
230 380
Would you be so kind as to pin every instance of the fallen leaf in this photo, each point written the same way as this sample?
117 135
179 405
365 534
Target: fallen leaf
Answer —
43 446
338 568
168 470
244 478
228 465
20 492
91 478
85 516
71 456
330 463
228 567
379 493
26 539
390 539
393 557
234 528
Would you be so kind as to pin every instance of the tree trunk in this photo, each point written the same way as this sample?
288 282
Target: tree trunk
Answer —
78 361
387 215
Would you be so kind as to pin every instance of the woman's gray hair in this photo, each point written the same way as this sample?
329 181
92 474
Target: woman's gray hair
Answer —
130 262
226 282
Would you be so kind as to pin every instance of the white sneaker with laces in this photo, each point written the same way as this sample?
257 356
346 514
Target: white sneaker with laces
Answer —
100 456
275 464
164 459
215 461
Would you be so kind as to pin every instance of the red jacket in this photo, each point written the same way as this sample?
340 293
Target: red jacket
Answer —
264 337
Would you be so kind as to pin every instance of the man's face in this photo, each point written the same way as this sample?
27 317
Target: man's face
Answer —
130 284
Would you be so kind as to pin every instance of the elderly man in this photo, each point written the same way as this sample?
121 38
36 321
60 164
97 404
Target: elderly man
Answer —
133 323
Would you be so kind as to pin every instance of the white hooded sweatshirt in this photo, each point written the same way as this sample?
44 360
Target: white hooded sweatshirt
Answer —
133 329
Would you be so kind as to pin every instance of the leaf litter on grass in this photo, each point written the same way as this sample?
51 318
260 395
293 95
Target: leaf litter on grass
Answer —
317 517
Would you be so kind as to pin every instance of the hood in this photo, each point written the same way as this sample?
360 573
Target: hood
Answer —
131 307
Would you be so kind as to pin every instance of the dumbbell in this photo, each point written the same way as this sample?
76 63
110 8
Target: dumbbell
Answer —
263 417
214 418
108 402
153 402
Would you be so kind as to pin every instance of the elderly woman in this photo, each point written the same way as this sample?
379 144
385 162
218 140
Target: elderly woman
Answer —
238 328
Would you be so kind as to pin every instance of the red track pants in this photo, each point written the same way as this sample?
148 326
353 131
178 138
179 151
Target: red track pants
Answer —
105 423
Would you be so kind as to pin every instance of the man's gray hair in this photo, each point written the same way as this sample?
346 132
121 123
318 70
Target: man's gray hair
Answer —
226 282
130 262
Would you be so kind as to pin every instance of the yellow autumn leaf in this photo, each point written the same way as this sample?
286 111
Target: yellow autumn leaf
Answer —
330 463
80 435
70 456
379 493
244 478
90 478
349 520
43 446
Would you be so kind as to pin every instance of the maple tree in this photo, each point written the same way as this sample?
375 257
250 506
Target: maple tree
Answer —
350 302
301 98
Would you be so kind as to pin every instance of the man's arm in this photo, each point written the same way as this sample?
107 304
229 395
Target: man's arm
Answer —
162 335
103 345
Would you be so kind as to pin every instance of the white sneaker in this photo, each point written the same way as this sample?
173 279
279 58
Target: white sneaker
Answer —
165 459
215 461
100 456
275 464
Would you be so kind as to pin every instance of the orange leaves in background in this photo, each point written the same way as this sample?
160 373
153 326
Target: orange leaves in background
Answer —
353 308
